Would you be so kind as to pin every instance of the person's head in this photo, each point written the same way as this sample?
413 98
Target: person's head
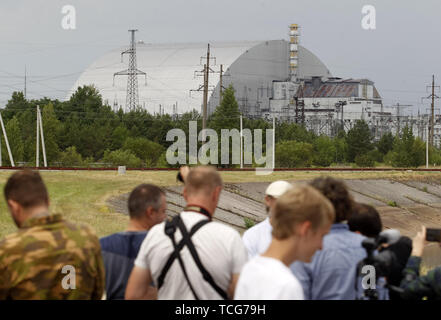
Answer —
25 194
203 186
147 205
273 192
365 220
335 190
302 215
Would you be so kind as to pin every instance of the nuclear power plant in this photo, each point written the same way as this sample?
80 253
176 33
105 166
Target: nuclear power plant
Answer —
272 79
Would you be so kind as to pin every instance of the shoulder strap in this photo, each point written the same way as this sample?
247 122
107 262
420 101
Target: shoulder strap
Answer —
172 237
170 229
207 276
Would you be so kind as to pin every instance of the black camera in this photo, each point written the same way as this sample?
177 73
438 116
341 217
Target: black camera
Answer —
388 254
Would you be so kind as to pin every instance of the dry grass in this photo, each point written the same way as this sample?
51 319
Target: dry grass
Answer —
81 196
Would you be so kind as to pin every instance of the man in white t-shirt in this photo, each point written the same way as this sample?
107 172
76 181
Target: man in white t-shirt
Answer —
258 238
219 248
301 217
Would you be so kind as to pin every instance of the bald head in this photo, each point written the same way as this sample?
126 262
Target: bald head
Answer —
202 180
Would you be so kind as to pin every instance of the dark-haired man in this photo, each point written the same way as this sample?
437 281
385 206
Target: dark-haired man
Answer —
191 256
365 220
147 208
48 257
331 274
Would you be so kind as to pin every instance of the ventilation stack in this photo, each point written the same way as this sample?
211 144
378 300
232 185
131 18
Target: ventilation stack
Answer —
293 51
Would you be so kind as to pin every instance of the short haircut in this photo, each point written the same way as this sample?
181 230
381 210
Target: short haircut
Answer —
300 204
336 191
366 220
202 179
26 187
143 197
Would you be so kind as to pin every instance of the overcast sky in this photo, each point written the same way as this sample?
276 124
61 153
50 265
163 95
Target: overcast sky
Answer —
400 56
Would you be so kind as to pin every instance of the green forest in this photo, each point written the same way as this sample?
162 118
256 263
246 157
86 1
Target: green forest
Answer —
85 132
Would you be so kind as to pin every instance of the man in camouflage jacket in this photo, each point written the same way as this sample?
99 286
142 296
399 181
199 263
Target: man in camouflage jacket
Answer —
48 257
417 287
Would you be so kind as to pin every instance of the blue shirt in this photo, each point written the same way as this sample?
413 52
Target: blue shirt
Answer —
331 274
119 252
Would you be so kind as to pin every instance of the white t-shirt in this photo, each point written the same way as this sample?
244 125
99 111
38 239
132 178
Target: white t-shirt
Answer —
220 250
258 238
264 278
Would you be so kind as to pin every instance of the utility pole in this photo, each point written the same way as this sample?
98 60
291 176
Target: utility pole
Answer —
432 96
25 83
37 154
241 143
205 87
132 97
205 102
40 131
427 146
7 142
220 83
42 137
274 142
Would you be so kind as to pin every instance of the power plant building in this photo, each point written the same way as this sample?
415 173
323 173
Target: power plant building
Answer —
275 78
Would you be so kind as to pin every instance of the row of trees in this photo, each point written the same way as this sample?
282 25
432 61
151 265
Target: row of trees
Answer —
84 131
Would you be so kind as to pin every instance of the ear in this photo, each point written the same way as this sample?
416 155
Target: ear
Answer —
149 212
13 205
184 194
267 201
304 228
217 192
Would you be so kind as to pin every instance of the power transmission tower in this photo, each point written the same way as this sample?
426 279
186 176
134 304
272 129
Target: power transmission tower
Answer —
132 98
432 96
399 107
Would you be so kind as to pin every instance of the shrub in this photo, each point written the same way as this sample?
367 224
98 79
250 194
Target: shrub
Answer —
70 157
291 154
144 149
122 158
364 160
324 151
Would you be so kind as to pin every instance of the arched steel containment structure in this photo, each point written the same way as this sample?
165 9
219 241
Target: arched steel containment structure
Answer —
171 73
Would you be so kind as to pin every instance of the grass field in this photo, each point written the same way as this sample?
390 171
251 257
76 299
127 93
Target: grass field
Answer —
81 195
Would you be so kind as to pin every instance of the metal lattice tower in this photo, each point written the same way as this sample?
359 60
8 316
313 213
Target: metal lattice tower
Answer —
132 98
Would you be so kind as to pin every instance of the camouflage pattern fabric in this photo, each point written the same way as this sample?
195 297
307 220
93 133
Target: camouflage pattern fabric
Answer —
417 287
32 261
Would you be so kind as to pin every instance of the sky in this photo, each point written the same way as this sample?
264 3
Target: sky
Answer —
400 55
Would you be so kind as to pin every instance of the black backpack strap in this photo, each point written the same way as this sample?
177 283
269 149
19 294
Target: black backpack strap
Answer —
207 276
172 237
170 229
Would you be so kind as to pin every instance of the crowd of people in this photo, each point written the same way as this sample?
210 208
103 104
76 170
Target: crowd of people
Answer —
312 246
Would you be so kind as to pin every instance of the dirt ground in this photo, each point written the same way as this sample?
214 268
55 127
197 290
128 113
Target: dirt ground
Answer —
403 205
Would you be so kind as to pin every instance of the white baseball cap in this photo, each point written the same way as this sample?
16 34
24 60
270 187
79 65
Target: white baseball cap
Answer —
277 188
